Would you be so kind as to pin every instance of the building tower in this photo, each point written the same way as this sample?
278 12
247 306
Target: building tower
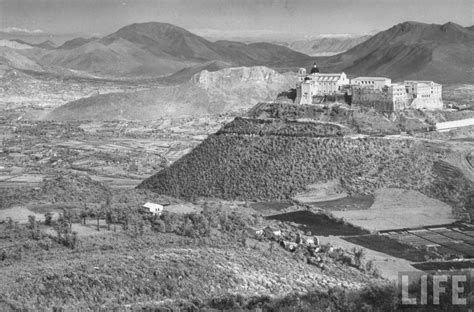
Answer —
315 69
301 74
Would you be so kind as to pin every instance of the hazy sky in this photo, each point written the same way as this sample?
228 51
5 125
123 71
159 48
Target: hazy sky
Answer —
231 17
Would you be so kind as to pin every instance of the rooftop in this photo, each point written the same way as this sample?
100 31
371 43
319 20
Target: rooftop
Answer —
426 82
371 78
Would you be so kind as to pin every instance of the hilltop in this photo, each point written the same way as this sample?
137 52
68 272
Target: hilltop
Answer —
229 89
412 50
278 156
75 43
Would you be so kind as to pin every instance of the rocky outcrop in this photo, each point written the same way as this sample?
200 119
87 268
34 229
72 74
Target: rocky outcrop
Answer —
232 78
207 93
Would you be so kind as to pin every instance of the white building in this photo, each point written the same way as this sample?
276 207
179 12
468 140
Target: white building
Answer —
425 94
318 84
374 82
155 209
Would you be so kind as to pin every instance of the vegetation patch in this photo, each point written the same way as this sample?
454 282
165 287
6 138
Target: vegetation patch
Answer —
444 265
318 224
284 128
391 247
277 167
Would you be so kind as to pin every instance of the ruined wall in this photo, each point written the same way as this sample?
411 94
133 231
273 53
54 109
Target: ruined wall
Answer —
372 98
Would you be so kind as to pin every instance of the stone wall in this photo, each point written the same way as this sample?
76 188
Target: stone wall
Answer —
379 106
372 98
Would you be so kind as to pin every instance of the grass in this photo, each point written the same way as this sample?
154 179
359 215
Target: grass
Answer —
358 202
270 205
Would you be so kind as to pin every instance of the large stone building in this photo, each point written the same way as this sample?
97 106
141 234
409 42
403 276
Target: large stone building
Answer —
317 84
375 92
397 96
424 94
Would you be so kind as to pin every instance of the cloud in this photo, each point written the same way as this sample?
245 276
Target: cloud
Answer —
17 30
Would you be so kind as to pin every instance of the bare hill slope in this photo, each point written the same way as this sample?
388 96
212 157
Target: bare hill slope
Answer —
327 45
411 50
207 92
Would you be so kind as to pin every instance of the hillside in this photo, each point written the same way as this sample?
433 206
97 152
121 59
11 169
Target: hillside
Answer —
48 44
75 43
326 45
154 49
12 56
207 92
411 50
271 159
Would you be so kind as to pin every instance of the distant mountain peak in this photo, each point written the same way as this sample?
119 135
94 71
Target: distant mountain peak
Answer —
151 28
452 26
413 50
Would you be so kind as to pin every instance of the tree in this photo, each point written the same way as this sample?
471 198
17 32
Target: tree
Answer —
74 240
97 215
32 222
67 218
48 219
108 218
84 214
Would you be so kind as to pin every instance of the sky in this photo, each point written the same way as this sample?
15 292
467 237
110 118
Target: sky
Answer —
230 18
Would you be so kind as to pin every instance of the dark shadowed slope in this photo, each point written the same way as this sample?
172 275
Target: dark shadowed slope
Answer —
411 50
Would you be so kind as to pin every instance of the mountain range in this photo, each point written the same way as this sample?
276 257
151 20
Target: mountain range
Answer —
155 49
409 50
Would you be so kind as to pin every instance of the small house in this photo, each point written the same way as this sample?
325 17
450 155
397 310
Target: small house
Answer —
155 209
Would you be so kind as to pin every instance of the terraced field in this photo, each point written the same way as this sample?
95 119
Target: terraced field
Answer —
455 240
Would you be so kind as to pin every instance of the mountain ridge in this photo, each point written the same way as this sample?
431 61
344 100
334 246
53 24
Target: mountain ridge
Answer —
412 50
157 49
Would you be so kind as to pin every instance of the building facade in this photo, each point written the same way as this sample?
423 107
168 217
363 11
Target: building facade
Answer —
375 82
318 84
399 96
424 94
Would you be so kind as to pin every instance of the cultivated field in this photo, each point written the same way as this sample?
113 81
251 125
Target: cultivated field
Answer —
398 208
